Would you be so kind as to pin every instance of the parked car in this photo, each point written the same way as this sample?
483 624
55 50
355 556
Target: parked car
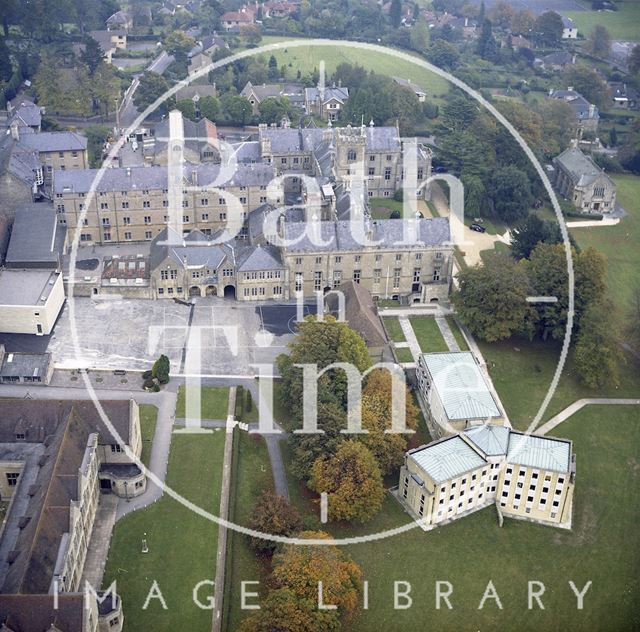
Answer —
478 228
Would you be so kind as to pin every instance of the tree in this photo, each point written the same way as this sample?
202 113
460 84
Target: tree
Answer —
6 68
321 343
283 611
387 448
395 13
491 298
96 137
502 14
558 125
588 83
187 107
596 351
547 28
160 369
237 110
530 232
474 195
419 36
634 59
273 109
307 448
104 88
522 22
273 67
599 41
487 47
152 86
352 480
299 569
251 34
178 44
613 137
459 113
210 108
92 55
511 193
443 54
274 515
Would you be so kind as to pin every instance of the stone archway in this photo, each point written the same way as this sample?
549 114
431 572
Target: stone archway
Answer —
229 291
211 290
194 290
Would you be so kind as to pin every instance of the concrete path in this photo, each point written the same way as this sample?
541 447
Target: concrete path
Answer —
410 336
447 334
578 405
221 555
589 223
98 550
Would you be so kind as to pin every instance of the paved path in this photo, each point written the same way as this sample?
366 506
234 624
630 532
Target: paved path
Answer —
578 405
447 334
98 549
589 223
410 336
221 555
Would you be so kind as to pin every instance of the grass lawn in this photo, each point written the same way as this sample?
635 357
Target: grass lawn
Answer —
381 208
392 325
457 334
384 303
214 401
602 548
522 378
252 474
307 59
182 545
245 412
148 418
404 354
623 24
619 243
428 334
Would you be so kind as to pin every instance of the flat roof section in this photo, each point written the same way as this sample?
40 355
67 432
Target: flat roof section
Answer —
461 386
26 287
447 459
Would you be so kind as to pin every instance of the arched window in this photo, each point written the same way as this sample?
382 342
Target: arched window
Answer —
351 155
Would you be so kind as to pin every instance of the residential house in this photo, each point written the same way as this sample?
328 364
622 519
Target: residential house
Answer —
414 87
195 92
326 103
110 41
21 172
525 476
580 180
455 392
556 61
120 20
198 62
209 44
467 26
569 29
256 94
26 115
586 114
233 21
623 95
518 42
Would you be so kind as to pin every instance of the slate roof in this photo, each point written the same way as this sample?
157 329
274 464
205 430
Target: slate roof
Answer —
192 251
338 93
562 58
104 38
258 257
247 152
27 114
460 385
407 83
338 234
126 179
195 92
447 459
580 106
36 238
491 440
545 453
580 168
54 141
197 135
18 160
567 22
38 613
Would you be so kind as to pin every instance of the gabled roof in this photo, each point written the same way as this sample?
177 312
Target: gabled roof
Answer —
54 141
327 94
258 257
580 168
460 385
447 459
407 83
26 114
567 22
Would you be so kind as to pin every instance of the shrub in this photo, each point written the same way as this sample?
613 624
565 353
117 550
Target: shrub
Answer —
398 195
249 401
149 384
147 375
161 369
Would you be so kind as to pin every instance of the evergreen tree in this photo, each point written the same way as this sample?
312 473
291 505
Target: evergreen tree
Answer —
395 13
6 68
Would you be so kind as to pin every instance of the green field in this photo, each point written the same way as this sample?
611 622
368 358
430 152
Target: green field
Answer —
404 355
148 418
623 24
457 334
522 371
307 59
392 325
182 545
620 244
214 402
468 553
428 334
251 475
